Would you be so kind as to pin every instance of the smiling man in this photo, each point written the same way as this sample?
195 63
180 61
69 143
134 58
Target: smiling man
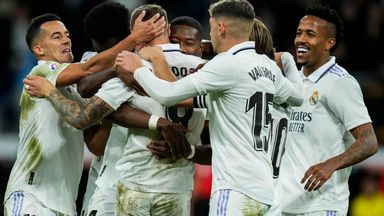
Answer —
331 131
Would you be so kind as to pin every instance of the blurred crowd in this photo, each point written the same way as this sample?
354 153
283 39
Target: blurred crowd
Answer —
359 53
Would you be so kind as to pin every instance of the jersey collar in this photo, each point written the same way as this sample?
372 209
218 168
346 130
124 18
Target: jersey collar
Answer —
169 47
321 71
242 46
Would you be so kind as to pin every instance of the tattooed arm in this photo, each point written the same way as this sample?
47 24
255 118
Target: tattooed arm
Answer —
365 146
75 114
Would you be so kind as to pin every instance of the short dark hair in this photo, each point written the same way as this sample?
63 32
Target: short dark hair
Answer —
330 15
107 20
188 21
34 27
150 11
233 9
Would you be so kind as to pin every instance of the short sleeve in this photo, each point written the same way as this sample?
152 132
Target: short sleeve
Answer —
346 101
49 70
283 87
114 92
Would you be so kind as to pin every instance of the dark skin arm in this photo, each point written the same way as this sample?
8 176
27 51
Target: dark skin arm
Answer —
128 116
365 146
144 31
89 85
96 137
160 148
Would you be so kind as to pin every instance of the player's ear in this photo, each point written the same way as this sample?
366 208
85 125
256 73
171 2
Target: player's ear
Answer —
331 42
38 50
220 28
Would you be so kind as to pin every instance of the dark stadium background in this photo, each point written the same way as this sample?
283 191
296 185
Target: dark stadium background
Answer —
360 54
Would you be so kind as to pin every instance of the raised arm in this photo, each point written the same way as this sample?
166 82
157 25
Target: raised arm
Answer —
160 65
163 91
144 31
288 66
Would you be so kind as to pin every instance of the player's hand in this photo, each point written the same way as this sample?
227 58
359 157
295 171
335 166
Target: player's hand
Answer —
38 86
317 175
174 134
161 149
127 62
148 53
150 29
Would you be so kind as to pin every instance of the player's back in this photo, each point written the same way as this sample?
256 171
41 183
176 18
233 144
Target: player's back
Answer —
138 167
240 98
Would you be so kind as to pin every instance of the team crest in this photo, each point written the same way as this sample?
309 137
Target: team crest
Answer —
314 98
53 66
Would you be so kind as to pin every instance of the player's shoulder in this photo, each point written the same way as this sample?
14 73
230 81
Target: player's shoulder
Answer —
338 72
44 68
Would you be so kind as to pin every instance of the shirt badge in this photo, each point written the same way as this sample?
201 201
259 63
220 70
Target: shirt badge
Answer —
53 66
314 98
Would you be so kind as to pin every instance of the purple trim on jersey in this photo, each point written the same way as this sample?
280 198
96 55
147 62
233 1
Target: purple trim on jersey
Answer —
337 70
321 76
245 48
18 198
222 203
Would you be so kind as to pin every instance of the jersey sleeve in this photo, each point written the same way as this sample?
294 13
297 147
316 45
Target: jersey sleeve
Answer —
49 70
87 55
286 90
292 75
345 99
216 75
114 92
212 77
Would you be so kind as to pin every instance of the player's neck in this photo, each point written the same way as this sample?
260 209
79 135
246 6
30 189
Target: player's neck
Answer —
228 43
309 69
162 39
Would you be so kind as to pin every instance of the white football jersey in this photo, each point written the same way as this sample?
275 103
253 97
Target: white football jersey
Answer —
108 175
138 168
242 86
50 154
318 130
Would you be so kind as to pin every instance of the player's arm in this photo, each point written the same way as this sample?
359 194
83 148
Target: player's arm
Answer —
365 146
287 65
80 117
88 86
160 65
96 137
143 31
201 154
167 93
173 133
289 85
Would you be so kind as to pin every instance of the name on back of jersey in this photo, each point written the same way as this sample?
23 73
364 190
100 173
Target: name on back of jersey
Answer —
258 72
